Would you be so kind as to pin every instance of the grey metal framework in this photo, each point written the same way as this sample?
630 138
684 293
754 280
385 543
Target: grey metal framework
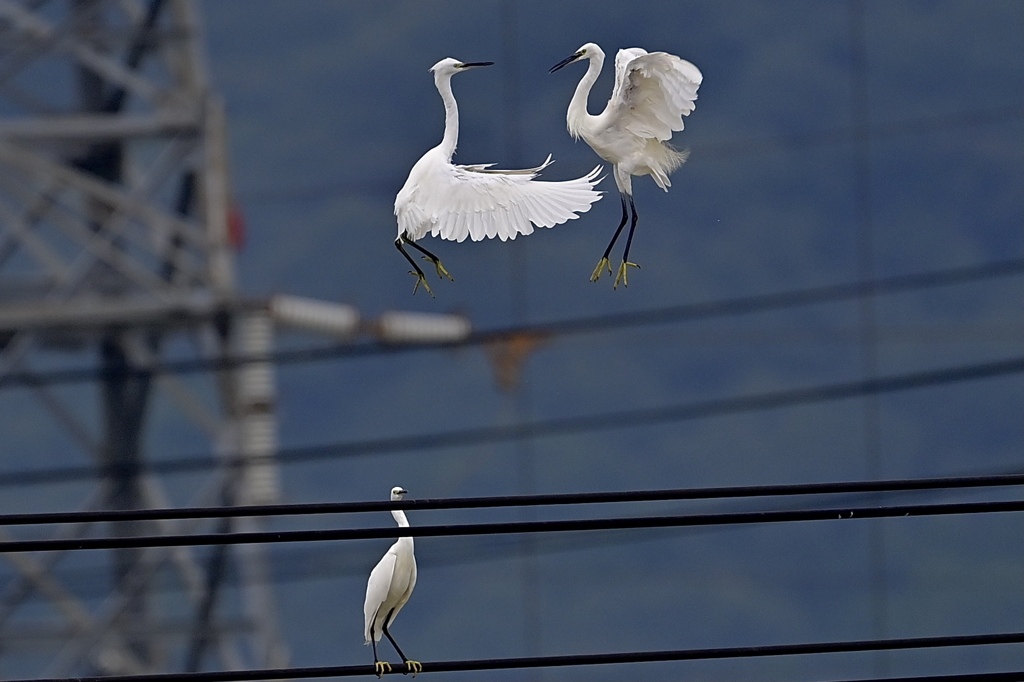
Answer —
115 243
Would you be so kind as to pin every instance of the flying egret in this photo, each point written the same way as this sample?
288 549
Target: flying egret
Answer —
390 584
454 202
652 93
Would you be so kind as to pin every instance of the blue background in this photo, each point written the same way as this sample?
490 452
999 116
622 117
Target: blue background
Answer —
832 142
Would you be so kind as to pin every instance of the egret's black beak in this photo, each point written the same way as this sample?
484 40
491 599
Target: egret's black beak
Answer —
565 62
469 65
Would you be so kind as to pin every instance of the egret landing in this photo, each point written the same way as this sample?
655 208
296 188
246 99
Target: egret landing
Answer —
652 93
455 202
388 589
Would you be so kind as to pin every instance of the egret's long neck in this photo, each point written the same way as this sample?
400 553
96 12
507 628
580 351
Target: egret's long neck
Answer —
577 114
400 518
451 124
402 523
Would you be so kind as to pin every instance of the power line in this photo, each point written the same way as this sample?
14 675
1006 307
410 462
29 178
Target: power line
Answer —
620 419
846 134
386 187
618 658
687 312
294 564
515 527
496 501
325 561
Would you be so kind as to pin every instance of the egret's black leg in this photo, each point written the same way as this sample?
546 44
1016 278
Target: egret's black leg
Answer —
379 666
384 629
625 254
441 271
416 271
603 263
410 665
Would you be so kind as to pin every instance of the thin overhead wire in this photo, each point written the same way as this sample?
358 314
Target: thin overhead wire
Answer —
518 527
562 426
498 501
323 562
618 658
687 312
874 130
326 561
386 187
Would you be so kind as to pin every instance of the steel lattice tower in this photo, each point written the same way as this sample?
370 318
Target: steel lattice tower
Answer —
115 243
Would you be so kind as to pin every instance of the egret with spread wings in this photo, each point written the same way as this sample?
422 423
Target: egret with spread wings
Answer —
652 93
455 202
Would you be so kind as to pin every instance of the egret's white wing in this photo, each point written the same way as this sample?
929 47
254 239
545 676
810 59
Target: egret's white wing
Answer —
653 92
377 588
486 168
455 202
622 59
403 598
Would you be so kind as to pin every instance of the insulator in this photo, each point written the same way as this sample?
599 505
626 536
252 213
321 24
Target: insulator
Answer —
319 317
405 327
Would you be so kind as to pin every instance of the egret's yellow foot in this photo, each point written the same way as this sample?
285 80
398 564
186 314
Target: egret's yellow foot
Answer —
381 667
442 271
420 279
599 270
621 276
413 667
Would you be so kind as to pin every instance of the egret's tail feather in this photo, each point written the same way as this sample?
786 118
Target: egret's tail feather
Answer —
663 160
676 157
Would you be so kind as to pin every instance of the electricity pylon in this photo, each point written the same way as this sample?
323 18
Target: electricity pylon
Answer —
116 244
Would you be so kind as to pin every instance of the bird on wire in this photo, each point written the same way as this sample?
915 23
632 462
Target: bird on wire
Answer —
454 202
391 582
652 93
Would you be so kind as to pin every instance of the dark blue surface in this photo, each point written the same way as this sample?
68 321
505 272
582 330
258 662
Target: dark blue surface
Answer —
804 172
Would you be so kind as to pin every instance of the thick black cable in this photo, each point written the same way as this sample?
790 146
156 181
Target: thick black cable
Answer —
717 653
742 305
324 562
487 435
497 501
517 527
293 564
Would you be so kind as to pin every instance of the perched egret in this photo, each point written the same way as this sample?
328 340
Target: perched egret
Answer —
454 202
391 582
652 93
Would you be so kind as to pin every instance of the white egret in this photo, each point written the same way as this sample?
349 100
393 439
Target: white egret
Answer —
652 93
391 582
454 202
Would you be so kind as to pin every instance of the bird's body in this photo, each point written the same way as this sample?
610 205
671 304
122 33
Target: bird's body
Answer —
453 202
652 93
391 583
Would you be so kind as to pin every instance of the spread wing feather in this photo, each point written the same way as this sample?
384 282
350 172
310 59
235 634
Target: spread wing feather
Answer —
455 202
653 91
